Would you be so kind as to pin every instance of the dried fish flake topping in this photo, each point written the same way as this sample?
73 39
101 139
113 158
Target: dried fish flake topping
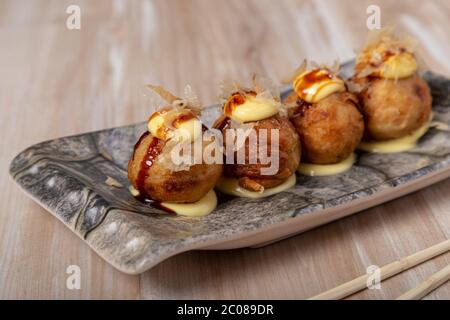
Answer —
262 89
188 101
113 182
305 66
261 86
381 45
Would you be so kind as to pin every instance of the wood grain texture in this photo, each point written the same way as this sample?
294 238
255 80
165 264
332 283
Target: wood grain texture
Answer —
57 82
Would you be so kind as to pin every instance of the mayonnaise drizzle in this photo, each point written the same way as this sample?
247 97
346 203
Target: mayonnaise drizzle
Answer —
315 85
231 186
317 170
165 124
250 108
201 208
395 145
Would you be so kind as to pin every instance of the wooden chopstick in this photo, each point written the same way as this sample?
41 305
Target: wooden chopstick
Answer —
430 284
386 271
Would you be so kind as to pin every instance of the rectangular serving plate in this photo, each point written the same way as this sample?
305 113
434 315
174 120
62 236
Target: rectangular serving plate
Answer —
67 177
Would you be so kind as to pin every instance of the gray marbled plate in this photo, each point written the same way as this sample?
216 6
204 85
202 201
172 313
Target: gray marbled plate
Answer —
67 177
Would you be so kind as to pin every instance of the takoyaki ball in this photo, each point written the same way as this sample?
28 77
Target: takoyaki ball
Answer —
395 100
325 115
157 181
249 175
260 111
153 170
395 108
329 130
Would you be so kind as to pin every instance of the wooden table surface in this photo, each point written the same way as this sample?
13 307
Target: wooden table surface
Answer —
56 82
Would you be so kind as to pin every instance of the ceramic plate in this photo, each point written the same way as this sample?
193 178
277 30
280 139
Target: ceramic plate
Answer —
67 177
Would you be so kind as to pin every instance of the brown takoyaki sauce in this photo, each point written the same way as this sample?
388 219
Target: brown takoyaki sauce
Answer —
386 55
311 78
301 107
235 100
162 130
182 118
154 204
138 143
222 123
154 149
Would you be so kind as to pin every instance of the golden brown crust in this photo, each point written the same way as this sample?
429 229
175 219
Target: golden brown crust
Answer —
163 184
329 130
249 175
394 108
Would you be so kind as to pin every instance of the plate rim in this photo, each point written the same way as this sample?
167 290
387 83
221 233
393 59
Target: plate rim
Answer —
359 204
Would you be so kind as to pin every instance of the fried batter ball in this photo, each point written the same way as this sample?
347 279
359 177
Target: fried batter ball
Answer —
329 130
395 100
249 175
394 108
158 182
